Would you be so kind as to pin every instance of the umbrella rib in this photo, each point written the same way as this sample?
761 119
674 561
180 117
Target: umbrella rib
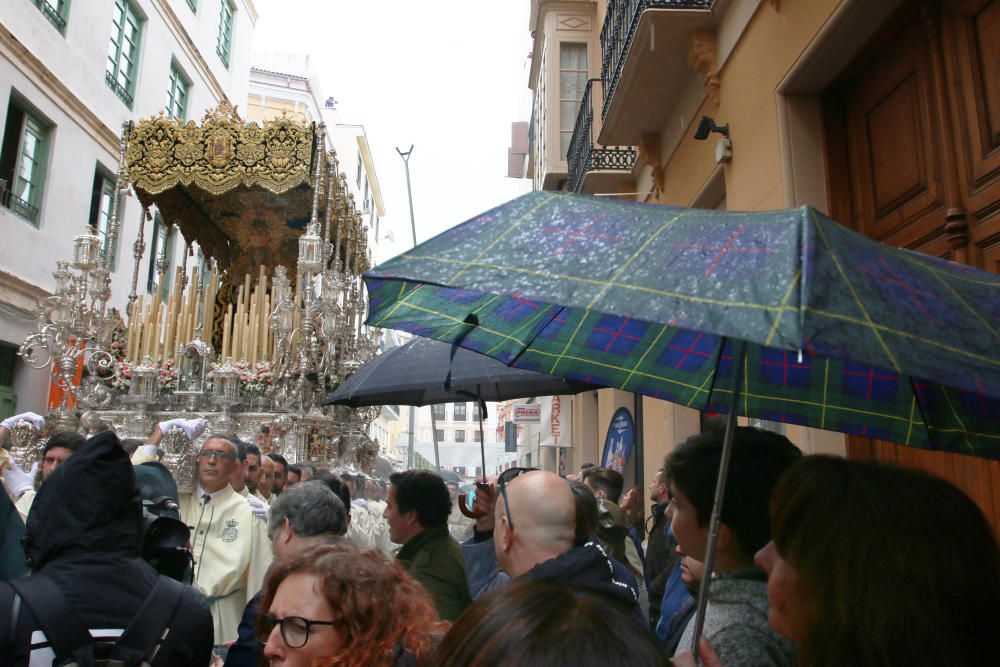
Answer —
826 390
601 364
501 237
528 343
783 307
906 256
642 360
593 281
975 313
923 415
562 355
857 301
965 433
905 334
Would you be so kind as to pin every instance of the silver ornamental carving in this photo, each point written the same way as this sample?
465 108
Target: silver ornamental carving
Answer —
180 456
26 448
317 313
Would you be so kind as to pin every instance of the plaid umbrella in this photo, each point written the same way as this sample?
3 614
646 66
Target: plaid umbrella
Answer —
842 333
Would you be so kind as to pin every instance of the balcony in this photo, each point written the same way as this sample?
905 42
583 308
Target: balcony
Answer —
594 168
644 47
10 200
121 91
55 15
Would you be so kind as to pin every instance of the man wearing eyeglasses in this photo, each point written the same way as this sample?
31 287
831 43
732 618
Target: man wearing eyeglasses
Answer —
231 547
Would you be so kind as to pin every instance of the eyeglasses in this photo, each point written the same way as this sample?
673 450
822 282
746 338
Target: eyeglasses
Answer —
294 629
217 453
502 481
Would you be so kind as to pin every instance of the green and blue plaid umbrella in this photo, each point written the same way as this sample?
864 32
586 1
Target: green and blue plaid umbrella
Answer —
843 333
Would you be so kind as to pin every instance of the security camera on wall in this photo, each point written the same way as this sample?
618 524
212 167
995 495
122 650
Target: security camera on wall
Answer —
707 125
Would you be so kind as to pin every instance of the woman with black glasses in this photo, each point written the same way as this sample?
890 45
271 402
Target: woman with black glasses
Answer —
337 605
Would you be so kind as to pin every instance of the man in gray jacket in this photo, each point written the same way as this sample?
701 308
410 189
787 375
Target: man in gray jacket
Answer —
736 618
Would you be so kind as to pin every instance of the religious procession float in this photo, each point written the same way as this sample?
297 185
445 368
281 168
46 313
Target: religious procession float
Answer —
255 337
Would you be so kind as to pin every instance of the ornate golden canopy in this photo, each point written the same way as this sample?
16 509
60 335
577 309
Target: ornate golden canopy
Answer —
244 191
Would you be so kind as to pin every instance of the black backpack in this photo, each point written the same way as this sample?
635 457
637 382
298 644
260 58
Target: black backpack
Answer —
73 645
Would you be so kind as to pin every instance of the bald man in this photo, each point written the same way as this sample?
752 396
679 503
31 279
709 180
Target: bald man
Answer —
534 534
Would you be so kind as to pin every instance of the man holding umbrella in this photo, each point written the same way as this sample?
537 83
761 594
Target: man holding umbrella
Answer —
736 616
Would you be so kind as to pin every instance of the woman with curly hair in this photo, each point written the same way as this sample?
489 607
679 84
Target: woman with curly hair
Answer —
337 605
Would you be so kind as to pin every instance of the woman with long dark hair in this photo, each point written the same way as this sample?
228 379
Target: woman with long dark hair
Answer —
873 564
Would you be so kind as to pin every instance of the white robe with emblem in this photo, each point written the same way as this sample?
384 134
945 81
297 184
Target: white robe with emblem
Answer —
232 552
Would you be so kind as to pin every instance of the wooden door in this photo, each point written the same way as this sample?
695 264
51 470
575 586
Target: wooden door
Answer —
913 153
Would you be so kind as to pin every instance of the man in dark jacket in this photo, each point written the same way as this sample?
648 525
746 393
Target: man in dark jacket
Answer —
660 547
534 535
417 513
12 563
84 535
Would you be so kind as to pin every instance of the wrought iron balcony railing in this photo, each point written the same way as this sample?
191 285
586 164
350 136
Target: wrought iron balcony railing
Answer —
619 28
123 94
10 200
53 14
583 156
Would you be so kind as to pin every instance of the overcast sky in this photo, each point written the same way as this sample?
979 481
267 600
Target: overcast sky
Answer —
447 76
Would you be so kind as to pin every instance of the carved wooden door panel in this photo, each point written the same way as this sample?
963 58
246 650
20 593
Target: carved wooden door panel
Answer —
913 153
973 41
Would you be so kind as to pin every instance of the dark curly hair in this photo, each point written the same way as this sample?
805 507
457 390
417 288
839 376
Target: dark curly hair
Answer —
379 610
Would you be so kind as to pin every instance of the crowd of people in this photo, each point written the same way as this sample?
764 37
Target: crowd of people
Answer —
819 561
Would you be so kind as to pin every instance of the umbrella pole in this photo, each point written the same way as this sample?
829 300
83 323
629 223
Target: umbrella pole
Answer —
720 492
482 436
434 439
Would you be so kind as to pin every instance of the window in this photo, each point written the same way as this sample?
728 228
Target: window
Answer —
459 412
177 93
225 43
477 436
101 199
439 434
193 4
123 53
572 82
359 169
161 243
366 197
437 411
475 411
459 435
23 160
55 11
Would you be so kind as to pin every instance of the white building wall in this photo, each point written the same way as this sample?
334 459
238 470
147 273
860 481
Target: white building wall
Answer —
62 77
461 454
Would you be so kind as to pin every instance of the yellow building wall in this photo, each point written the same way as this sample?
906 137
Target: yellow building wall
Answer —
260 109
772 42
768 48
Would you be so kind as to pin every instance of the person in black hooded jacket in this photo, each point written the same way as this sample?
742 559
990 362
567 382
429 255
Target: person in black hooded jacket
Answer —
535 540
84 533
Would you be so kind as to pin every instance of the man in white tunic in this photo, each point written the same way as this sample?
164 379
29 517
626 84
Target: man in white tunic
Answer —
231 547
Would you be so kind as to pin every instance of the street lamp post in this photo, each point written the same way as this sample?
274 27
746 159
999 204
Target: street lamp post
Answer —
413 228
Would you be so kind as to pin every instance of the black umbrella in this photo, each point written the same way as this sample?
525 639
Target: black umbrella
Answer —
425 372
